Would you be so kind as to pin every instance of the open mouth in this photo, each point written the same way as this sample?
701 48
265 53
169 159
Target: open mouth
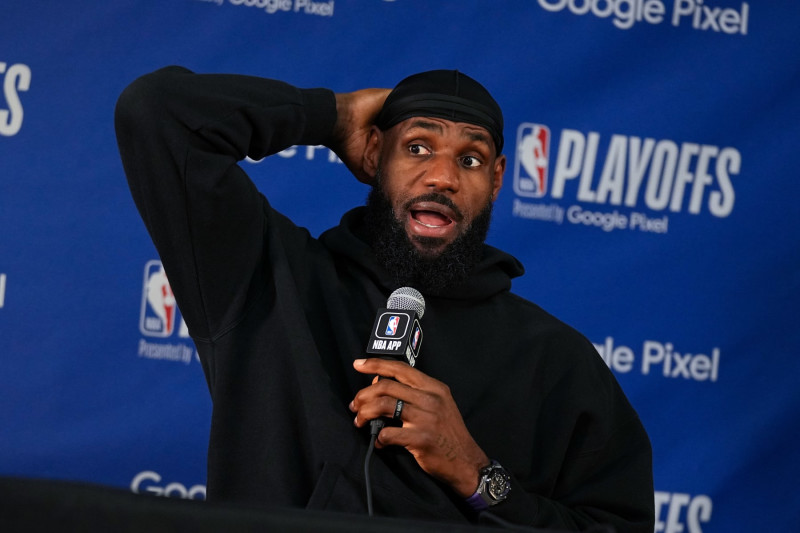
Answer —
434 215
431 219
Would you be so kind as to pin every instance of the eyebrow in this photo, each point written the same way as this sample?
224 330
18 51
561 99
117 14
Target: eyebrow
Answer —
424 124
479 136
476 136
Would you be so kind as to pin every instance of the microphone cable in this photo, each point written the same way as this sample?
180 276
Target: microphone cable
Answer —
375 428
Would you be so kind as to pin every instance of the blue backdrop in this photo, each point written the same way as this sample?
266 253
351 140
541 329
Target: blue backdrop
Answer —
651 193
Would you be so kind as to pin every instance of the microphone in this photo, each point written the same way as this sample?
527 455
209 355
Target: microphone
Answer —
397 333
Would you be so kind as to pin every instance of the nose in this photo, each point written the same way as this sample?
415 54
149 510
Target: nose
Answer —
443 175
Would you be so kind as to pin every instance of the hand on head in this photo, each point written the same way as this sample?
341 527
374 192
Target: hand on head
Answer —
356 112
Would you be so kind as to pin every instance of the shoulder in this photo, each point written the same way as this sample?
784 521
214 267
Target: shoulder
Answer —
549 345
534 322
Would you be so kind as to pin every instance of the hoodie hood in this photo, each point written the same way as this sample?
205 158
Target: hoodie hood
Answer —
492 274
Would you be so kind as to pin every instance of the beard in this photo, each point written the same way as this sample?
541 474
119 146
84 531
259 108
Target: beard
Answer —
422 266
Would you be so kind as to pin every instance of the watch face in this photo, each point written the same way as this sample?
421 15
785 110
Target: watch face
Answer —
498 485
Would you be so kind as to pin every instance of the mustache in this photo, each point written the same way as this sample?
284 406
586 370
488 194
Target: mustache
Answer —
438 198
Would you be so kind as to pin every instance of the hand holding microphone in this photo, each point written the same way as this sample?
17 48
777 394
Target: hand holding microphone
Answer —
433 430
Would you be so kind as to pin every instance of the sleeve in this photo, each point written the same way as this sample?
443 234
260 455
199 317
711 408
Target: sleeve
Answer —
180 136
611 487
592 458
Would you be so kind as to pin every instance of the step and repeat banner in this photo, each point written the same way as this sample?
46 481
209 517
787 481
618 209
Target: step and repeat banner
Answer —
651 192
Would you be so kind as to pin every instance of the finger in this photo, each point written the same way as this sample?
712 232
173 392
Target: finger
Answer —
392 389
409 438
397 370
383 406
383 392
425 391
387 407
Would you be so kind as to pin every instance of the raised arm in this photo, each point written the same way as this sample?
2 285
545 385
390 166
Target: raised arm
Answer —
180 137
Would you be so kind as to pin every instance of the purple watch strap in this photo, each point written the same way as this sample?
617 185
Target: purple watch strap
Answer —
476 502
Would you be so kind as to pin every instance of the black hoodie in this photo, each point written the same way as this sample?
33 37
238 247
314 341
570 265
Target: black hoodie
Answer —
278 317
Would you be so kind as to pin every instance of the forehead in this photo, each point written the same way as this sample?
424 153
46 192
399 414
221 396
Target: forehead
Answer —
442 126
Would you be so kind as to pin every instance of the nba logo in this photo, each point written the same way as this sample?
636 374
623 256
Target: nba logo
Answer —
533 152
159 310
391 326
415 340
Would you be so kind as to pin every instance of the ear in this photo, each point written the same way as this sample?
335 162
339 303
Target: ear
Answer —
497 175
372 152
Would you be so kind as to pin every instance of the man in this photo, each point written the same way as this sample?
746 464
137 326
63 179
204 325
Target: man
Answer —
509 413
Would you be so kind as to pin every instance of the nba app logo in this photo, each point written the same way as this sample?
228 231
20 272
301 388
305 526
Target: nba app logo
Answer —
391 326
159 311
533 152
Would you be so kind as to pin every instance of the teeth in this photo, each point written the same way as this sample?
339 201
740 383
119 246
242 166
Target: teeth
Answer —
428 225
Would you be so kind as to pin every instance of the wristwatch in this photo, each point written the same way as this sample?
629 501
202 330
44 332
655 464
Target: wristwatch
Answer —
493 487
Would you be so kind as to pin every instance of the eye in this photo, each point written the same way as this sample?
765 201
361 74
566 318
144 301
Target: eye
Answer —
470 161
418 149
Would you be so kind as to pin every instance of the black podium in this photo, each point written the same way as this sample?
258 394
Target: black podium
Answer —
57 506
